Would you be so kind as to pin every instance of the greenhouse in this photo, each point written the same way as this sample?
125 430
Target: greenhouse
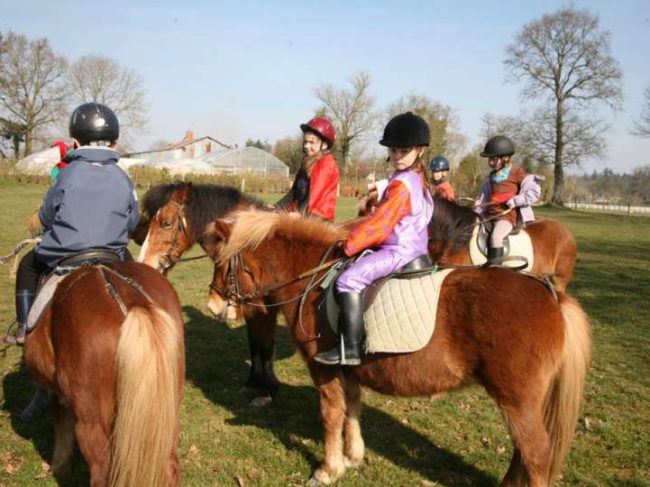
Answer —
246 160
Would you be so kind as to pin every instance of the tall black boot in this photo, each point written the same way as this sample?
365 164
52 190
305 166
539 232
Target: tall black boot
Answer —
24 301
494 256
37 406
348 350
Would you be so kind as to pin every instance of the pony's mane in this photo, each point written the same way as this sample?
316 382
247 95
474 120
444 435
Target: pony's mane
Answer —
251 228
451 222
206 202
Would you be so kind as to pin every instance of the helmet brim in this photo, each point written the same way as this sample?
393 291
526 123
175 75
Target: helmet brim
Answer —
306 128
398 145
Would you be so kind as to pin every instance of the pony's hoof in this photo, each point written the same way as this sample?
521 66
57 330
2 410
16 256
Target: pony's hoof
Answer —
322 477
351 462
260 401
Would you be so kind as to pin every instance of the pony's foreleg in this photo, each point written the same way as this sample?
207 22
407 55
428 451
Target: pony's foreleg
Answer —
63 439
332 408
261 331
354 446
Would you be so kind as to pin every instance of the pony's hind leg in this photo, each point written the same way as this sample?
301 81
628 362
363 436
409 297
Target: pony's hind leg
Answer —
354 447
332 409
63 439
531 458
95 448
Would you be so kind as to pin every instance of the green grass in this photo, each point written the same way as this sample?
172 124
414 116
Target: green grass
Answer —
457 440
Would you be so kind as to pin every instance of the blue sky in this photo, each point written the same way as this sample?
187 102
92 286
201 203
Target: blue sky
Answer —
248 69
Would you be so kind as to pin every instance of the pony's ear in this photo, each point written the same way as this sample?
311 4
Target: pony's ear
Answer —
222 229
181 195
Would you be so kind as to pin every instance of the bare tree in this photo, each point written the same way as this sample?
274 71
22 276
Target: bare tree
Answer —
351 112
32 88
103 80
444 123
289 151
565 58
642 125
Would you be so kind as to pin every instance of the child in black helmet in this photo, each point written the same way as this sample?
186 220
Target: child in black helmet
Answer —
507 186
92 205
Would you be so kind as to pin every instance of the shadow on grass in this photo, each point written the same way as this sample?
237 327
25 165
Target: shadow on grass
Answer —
215 352
18 390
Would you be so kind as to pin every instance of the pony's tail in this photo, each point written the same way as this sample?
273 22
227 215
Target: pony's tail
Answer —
149 363
565 393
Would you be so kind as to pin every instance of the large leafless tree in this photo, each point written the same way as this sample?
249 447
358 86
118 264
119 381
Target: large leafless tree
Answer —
350 110
564 58
103 80
642 124
32 88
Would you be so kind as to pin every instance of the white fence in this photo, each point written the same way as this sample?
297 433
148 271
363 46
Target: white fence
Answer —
629 209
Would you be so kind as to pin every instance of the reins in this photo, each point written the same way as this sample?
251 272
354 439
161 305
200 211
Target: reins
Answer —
113 292
264 292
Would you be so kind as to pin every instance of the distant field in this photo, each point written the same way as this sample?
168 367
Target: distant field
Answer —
457 440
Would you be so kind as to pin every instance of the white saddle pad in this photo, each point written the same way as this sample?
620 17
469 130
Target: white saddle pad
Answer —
520 245
402 317
43 299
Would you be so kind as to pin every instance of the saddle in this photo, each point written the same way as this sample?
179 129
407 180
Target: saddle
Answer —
516 244
49 282
400 309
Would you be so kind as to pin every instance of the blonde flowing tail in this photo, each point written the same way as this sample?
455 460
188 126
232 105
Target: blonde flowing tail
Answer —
565 394
149 365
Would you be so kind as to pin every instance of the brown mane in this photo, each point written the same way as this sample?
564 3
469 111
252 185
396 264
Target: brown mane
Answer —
253 227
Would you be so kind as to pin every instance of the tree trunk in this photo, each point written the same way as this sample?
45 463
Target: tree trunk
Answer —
558 184
27 150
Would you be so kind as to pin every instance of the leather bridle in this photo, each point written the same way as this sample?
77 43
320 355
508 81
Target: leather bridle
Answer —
169 258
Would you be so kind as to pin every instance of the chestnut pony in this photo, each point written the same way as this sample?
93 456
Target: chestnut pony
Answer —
110 347
495 327
175 217
451 228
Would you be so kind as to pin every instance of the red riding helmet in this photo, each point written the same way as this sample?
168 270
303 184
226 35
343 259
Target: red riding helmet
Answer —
321 127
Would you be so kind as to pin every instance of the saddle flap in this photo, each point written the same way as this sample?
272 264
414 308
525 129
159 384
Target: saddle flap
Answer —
400 313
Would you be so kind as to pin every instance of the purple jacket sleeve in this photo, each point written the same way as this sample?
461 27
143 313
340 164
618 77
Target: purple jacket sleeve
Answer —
529 193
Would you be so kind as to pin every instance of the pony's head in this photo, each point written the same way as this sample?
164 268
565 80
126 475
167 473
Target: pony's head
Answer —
179 213
259 250
168 235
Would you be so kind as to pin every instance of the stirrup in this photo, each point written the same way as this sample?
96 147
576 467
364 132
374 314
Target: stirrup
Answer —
14 339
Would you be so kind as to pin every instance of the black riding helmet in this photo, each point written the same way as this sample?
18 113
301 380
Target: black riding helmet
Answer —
498 145
406 130
93 122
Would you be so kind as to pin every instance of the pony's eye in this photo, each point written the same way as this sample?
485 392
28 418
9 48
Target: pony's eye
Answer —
166 224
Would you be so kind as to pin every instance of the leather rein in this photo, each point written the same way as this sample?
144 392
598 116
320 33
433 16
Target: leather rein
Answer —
232 291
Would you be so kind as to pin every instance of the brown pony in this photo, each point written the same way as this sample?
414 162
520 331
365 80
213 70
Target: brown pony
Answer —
495 327
110 347
175 218
451 228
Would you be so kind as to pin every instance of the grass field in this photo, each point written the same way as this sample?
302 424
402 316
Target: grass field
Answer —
456 440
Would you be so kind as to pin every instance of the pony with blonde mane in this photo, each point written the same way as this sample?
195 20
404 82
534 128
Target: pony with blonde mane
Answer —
500 329
111 349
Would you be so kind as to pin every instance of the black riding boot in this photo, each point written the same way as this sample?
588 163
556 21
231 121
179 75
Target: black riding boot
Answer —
24 301
37 406
494 256
348 350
